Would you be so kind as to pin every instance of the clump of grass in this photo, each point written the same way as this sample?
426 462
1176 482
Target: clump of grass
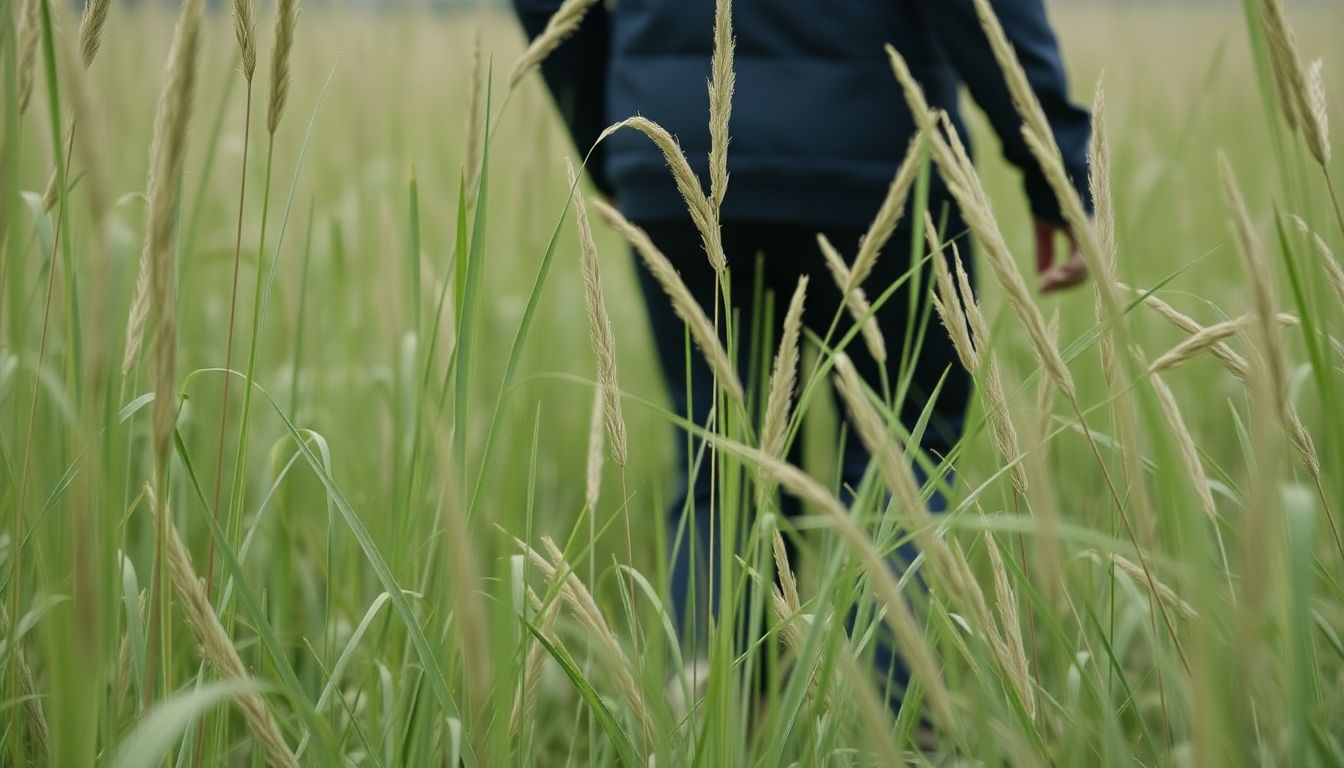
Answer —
899 615
1095 685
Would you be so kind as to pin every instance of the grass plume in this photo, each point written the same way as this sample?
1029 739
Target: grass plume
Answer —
563 23
286 20
599 328
703 212
720 101
683 303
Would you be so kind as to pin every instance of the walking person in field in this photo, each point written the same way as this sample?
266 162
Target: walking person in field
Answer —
819 127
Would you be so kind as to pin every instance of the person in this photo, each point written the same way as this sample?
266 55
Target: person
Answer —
818 129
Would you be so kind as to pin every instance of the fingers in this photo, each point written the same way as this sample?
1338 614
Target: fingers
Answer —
1067 275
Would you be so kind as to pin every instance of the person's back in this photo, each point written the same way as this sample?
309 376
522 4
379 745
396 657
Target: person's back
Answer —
819 124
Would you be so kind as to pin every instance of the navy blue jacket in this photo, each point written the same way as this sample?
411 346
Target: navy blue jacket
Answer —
819 124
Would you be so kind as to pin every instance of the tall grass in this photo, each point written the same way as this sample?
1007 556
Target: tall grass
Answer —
420 559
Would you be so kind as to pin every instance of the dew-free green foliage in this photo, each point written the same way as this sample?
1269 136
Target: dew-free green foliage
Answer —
1160 583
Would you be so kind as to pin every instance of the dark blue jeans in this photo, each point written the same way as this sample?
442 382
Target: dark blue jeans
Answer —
786 251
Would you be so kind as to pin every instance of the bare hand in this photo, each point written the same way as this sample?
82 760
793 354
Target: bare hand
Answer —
1057 277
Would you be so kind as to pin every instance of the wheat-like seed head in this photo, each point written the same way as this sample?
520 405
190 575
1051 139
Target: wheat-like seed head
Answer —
703 213
1099 176
1001 423
888 215
1319 137
958 308
525 702
947 302
779 400
245 29
214 641
168 154
1019 86
84 122
1282 54
596 424
980 217
475 120
788 609
1333 272
1040 140
1304 446
720 101
121 687
28 31
286 19
1185 445
563 23
1142 576
599 329
1229 359
872 430
556 570
1099 172
954 163
1262 288
91 25
1019 672
1045 389
855 301
138 315
1303 106
964 183
1197 343
28 691
788 583
683 303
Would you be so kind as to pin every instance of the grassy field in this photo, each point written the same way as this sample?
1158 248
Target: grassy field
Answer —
1151 574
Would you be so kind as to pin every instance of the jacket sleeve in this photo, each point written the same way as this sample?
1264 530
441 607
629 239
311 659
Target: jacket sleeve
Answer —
575 74
963 41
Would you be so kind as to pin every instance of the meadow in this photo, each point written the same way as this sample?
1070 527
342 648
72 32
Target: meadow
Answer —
354 500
